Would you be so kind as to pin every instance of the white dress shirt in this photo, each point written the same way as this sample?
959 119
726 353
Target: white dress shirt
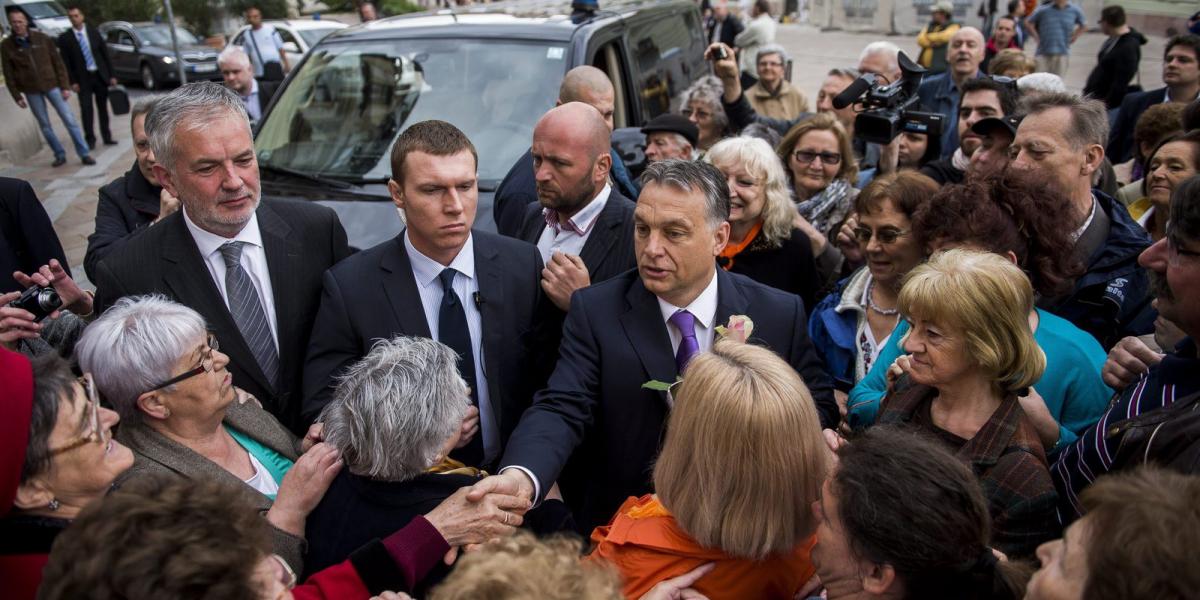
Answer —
703 308
254 261
570 238
250 101
466 285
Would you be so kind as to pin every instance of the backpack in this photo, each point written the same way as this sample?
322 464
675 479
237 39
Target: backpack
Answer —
1167 436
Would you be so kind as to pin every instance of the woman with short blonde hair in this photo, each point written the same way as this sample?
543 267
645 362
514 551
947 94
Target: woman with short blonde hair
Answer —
764 243
742 462
971 353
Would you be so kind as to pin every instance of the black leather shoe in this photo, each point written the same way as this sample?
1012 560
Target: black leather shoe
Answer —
91 145
87 160
59 161
110 142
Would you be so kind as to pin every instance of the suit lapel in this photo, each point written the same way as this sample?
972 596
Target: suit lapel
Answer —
491 286
730 300
284 260
605 233
188 278
647 333
533 224
401 289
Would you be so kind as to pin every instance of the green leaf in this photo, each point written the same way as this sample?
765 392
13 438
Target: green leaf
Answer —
657 385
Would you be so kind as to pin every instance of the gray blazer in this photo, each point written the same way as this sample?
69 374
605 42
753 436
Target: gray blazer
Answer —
155 454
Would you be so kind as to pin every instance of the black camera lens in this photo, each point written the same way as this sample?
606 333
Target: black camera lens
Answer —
41 301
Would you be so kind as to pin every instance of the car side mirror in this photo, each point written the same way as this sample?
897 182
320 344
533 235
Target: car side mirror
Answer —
291 47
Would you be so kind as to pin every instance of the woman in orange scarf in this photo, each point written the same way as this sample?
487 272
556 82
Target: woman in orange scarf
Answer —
742 463
764 243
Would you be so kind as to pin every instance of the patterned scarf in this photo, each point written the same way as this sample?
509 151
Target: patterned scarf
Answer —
829 207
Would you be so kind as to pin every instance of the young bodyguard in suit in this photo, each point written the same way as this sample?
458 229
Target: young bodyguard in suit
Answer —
641 326
581 224
252 269
90 71
476 292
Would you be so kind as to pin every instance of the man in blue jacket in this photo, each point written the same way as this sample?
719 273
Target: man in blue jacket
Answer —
1062 136
940 93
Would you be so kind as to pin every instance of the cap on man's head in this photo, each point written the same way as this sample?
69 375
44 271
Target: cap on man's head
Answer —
991 124
673 123
945 6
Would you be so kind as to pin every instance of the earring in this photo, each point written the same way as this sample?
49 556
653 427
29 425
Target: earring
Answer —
53 505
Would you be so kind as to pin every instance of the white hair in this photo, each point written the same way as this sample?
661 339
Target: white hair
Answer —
769 49
135 345
1041 82
883 47
235 55
394 410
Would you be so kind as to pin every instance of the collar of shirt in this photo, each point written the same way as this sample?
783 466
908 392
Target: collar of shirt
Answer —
704 307
426 270
1167 95
253 89
80 31
208 242
582 222
1086 222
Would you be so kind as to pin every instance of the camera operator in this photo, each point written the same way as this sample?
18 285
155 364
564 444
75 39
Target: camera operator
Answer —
23 331
980 99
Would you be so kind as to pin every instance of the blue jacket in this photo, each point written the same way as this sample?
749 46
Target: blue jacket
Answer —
1112 299
938 94
833 333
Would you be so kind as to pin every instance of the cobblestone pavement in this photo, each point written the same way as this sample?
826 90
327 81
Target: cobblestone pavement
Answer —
69 192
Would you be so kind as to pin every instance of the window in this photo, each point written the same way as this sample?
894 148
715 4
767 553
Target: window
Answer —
662 49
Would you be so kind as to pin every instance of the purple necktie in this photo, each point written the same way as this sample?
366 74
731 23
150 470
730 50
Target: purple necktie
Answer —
688 346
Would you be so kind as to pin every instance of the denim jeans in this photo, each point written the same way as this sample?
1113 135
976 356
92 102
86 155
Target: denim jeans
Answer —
37 103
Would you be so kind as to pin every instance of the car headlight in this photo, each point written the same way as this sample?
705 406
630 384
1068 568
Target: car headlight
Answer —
170 60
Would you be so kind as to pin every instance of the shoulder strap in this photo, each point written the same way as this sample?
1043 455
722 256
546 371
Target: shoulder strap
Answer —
250 34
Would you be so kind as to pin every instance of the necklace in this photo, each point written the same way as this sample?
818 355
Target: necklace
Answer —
887 312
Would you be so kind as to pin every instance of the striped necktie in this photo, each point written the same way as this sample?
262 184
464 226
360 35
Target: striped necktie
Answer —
88 59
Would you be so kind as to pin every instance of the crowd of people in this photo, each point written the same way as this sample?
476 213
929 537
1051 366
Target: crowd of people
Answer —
782 361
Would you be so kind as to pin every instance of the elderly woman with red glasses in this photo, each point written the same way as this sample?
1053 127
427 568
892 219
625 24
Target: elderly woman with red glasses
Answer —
154 361
57 456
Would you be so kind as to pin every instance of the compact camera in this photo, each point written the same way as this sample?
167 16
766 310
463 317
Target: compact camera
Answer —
890 108
41 301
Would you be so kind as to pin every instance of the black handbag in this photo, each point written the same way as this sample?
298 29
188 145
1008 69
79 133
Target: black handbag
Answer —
118 98
1168 437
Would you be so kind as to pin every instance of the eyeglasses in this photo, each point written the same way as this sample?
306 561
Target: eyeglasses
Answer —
91 419
805 157
287 577
206 365
885 236
770 63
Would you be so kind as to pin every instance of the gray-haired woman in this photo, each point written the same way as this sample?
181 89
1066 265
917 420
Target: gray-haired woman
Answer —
155 362
395 417
702 106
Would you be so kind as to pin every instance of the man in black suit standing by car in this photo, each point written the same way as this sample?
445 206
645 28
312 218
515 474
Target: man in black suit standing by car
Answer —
252 269
90 71
238 74
581 224
476 292
641 326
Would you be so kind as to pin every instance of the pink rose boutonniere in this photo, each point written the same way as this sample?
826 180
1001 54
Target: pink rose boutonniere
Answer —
739 328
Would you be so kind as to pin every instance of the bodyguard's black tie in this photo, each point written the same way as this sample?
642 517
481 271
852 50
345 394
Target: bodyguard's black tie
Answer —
453 332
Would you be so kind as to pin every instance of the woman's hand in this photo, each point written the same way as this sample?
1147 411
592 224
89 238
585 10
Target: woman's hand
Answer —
54 275
816 238
899 368
462 521
312 437
1127 361
847 243
680 588
303 487
15 324
469 427
1043 422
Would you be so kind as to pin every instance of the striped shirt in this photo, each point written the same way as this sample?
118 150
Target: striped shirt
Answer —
1081 463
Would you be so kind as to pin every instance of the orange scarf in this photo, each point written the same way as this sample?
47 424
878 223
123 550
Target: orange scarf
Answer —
732 249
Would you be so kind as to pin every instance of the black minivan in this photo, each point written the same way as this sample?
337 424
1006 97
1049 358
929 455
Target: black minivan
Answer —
491 70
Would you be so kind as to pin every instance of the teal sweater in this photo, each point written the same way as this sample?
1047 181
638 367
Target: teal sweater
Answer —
1071 385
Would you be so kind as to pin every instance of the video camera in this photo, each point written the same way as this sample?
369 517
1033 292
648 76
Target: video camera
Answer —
889 108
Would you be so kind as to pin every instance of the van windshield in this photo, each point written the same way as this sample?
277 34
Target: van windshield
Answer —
43 10
343 110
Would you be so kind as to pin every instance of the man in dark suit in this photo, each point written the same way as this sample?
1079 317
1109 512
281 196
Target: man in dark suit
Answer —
90 70
27 237
518 190
1181 74
723 27
239 76
639 327
252 269
582 226
129 204
478 293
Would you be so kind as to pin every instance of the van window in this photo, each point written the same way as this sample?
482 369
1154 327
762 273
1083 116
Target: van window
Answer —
608 59
662 50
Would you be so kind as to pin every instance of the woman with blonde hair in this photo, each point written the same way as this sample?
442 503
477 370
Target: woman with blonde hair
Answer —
970 354
742 462
764 243
822 169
